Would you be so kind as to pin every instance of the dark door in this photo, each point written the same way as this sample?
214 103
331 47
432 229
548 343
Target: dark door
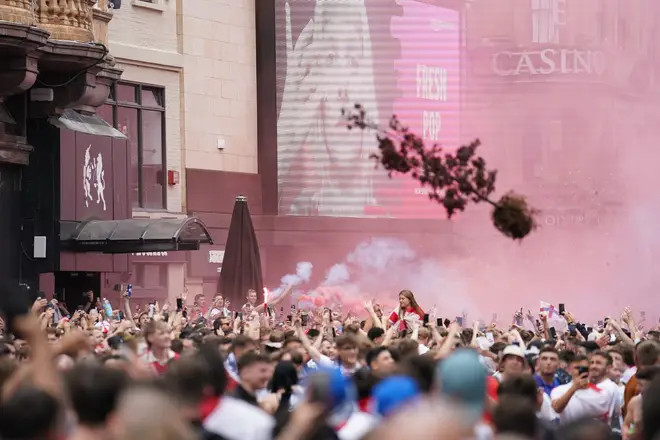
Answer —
70 287
10 221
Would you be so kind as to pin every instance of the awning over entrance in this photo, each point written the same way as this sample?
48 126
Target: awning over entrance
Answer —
134 235
89 124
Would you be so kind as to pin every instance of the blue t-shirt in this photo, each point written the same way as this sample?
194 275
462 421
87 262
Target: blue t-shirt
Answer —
547 388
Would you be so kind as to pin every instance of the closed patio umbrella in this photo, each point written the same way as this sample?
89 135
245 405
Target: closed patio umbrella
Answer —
241 266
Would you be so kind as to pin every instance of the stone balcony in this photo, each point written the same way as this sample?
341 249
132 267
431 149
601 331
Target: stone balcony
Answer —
83 21
59 47
67 19
75 46
76 38
102 14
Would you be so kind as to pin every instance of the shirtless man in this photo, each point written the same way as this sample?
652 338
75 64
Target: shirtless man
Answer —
632 424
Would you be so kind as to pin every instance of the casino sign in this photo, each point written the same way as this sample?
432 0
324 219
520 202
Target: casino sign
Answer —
549 61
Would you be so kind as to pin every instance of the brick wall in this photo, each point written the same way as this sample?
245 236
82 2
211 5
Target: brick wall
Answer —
204 53
219 84
143 39
143 25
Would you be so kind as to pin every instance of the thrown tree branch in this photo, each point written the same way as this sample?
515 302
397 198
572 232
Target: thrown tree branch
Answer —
453 179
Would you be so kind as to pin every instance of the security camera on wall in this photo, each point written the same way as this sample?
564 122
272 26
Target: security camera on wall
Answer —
115 4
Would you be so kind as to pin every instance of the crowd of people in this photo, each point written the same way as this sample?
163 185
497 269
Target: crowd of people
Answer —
258 371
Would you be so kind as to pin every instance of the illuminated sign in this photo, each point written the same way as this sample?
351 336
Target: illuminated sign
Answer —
391 56
548 62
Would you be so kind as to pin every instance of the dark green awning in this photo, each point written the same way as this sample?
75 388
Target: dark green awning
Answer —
134 235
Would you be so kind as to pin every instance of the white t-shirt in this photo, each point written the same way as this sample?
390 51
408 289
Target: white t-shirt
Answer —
593 402
628 374
326 362
357 426
238 420
219 313
616 390
546 412
422 349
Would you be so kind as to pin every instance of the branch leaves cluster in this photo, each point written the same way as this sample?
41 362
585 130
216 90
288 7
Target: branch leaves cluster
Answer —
454 179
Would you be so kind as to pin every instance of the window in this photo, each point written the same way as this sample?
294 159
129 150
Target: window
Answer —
621 27
547 16
138 111
602 29
155 5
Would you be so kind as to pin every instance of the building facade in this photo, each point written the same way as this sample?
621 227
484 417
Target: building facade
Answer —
220 122
56 71
90 188
186 100
547 85
554 84
147 106
208 102
250 150
195 114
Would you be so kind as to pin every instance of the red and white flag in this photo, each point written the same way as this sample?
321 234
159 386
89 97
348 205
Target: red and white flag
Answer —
554 318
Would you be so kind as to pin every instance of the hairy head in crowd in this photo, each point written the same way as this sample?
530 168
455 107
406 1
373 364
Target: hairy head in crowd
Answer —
224 375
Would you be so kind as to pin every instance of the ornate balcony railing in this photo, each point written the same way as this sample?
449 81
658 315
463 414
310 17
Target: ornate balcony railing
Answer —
102 15
17 11
73 20
67 19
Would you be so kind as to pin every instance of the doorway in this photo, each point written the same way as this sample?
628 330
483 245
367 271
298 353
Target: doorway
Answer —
70 287
10 221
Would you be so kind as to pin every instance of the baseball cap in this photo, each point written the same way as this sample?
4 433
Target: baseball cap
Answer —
392 393
513 350
462 379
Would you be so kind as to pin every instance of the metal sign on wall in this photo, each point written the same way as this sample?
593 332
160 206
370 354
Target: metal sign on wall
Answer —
216 257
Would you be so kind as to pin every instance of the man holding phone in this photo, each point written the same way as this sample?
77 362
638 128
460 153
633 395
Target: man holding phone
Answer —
562 395
582 398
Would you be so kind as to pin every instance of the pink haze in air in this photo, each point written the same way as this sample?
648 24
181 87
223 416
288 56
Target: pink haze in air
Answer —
573 128
429 86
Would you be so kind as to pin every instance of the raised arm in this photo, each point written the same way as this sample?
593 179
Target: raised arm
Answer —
276 301
44 374
127 307
448 344
314 353
376 322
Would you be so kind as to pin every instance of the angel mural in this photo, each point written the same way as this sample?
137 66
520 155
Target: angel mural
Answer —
87 177
99 184
93 176
323 168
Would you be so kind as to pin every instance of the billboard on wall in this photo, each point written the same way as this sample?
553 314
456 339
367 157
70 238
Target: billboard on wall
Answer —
391 56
